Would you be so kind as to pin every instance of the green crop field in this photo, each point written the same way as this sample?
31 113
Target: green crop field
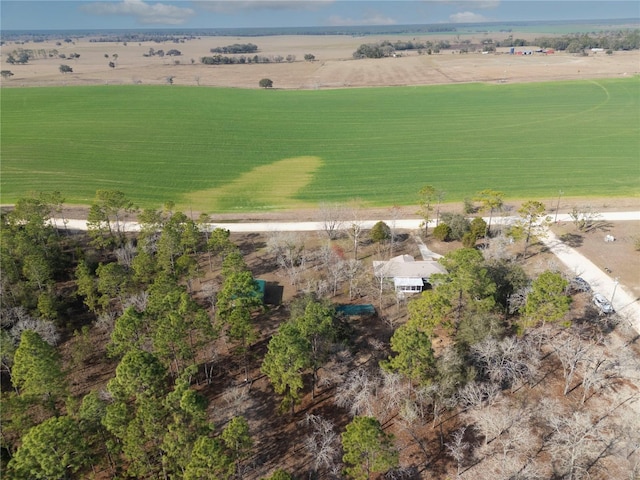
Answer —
229 149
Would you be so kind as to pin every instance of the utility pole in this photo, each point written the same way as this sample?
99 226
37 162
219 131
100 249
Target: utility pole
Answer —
615 285
560 192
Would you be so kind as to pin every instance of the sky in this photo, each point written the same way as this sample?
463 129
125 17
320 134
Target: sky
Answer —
153 14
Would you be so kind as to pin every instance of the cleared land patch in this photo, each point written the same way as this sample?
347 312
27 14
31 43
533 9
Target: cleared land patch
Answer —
377 144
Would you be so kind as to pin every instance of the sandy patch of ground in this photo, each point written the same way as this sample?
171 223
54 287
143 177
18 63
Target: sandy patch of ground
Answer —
334 66
619 259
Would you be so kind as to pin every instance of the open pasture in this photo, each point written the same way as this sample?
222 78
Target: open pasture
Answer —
288 149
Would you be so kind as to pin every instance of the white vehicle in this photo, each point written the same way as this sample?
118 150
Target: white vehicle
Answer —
602 303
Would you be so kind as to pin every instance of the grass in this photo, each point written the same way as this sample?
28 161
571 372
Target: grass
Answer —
210 149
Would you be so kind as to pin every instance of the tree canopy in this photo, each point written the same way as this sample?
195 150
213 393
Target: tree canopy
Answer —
53 449
548 300
36 369
367 448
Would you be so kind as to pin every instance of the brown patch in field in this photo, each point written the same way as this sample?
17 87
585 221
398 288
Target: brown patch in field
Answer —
271 187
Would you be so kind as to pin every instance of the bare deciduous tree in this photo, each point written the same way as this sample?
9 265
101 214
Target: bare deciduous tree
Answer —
288 249
355 227
332 216
353 270
572 352
498 248
381 274
358 392
46 329
576 443
600 371
585 218
334 372
439 399
394 215
236 398
411 420
322 442
334 267
106 321
137 300
458 449
126 253
508 362
393 393
492 421
518 299
476 395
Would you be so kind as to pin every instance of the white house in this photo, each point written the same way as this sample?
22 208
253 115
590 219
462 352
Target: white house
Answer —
408 275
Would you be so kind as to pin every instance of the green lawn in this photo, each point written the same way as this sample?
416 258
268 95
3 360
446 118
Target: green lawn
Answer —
187 144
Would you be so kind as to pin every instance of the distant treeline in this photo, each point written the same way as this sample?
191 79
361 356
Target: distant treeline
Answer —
386 49
619 40
236 48
22 56
136 37
573 43
225 60
181 35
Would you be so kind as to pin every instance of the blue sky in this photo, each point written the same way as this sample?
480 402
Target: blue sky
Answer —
136 14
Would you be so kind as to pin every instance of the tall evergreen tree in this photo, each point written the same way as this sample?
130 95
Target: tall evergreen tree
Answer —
367 448
53 449
37 371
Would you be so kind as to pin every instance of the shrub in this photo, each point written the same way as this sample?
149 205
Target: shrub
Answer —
380 232
469 240
478 227
469 207
442 232
458 224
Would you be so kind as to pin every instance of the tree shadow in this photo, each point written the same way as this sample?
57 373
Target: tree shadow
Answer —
573 240
599 225
401 237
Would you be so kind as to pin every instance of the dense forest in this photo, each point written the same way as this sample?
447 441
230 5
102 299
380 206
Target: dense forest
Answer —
162 353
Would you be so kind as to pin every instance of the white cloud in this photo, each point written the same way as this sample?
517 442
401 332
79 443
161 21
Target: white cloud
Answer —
467 17
368 19
144 13
230 6
475 4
